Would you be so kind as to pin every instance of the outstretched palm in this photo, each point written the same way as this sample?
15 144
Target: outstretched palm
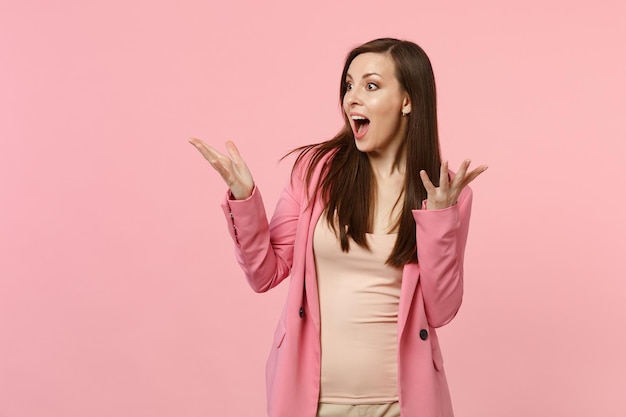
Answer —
232 168
448 191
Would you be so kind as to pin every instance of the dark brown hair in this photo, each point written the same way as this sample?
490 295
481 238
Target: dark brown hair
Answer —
347 182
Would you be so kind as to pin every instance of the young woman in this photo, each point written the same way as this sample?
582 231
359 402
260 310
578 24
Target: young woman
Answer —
371 228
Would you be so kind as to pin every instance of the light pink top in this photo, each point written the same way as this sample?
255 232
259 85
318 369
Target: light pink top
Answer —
359 297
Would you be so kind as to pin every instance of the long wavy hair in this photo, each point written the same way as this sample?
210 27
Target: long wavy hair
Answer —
347 181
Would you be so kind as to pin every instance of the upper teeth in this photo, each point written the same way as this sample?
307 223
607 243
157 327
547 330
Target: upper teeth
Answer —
358 118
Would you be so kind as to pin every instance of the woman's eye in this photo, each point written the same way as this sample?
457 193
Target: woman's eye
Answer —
371 86
348 86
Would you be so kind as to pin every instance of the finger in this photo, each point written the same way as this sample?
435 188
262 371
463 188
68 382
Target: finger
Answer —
224 167
463 169
458 182
193 140
197 143
207 151
471 176
428 185
443 175
238 161
200 146
211 154
221 163
233 151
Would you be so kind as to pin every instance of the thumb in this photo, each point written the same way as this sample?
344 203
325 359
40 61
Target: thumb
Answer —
233 151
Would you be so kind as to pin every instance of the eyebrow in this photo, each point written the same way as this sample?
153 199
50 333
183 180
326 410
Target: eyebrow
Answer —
366 75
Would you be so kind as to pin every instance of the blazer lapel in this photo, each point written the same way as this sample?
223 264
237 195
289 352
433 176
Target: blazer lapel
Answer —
313 213
410 278
310 277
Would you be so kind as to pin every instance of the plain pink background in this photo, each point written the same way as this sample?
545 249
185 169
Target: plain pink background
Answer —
119 292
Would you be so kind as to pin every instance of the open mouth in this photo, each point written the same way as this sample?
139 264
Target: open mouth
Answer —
361 124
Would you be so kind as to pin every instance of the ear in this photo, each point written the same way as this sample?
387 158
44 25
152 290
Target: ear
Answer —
406 104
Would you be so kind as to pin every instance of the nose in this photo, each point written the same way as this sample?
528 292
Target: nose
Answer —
352 97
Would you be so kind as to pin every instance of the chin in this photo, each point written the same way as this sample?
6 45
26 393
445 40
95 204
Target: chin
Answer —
361 146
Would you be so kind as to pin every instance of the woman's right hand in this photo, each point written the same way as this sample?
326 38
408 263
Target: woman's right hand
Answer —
233 169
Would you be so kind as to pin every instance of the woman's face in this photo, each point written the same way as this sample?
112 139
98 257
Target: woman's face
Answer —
374 102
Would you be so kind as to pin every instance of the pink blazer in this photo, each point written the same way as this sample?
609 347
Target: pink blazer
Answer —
431 294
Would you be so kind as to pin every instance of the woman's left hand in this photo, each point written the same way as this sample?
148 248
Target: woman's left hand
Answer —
447 194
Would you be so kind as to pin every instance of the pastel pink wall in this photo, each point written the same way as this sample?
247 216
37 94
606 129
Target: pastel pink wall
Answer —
119 292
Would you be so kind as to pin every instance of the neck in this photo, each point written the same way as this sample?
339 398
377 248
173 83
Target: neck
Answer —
384 166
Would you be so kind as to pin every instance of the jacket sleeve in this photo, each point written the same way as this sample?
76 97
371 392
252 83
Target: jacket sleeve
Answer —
264 250
441 237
